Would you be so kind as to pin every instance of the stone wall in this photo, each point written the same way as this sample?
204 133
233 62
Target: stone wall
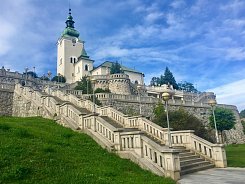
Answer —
6 102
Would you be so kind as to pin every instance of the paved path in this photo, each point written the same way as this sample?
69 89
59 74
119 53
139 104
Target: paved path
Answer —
215 176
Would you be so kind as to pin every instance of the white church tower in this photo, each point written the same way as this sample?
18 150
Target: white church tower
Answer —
72 60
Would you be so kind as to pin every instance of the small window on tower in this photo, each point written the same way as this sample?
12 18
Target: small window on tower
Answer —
71 59
60 61
86 68
74 59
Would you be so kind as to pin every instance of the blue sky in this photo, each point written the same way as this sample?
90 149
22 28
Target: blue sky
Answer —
201 41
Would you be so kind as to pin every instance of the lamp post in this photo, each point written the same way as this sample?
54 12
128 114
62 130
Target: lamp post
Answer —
26 69
139 87
166 95
213 103
87 85
93 82
49 76
58 80
34 71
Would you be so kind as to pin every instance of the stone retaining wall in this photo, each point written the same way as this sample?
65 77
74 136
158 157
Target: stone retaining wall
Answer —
6 102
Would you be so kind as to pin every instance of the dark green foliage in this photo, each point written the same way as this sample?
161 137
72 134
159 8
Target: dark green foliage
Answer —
97 101
60 78
181 120
31 73
44 78
167 78
116 68
225 119
85 85
54 154
243 124
235 155
242 114
100 90
187 86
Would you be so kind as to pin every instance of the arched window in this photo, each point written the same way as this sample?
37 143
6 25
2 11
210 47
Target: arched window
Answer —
71 59
74 59
86 67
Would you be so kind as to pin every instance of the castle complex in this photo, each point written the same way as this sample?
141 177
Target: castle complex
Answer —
111 125
74 63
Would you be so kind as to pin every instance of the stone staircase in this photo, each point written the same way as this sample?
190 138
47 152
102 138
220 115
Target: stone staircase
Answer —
135 137
190 162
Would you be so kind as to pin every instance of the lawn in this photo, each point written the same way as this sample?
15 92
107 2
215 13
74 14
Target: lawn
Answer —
37 150
235 155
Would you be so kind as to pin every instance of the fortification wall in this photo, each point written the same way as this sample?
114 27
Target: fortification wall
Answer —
6 102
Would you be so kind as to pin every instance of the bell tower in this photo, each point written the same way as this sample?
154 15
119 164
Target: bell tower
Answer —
69 48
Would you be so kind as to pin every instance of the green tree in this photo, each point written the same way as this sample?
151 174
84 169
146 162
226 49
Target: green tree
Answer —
31 73
187 86
100 90
169 78
44 78
85 85
225 119
60 78
181 120
116 68
242 114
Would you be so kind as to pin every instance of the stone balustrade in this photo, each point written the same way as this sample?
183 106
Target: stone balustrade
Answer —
164 161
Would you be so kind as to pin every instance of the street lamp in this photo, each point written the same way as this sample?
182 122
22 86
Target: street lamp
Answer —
87 85
49 76
139 88
26 69
58 80
166 95
93 80
213 103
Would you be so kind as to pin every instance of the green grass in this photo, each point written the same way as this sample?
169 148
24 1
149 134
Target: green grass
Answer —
235 155
37 150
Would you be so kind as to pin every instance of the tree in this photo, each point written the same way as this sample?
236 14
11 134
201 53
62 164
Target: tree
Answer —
225 119
116 68
242 114
181 120
100 90
85 85
169 78
60 78
187 86
31 73
155 81
44 78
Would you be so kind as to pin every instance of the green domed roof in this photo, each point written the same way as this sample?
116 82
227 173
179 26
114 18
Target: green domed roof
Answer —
70 30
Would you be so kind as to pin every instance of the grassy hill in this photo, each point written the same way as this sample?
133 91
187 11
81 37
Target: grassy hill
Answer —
37 150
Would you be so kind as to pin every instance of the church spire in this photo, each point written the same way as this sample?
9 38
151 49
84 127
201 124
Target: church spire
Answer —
70 30
69 21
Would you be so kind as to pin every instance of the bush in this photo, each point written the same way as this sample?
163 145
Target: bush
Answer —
225 119
181 120
100 90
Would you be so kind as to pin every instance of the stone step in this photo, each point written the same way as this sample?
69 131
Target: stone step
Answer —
182 158
195 164
190 161
112 122
195 169
182 154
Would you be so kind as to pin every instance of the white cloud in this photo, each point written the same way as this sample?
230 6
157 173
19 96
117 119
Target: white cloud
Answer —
231 93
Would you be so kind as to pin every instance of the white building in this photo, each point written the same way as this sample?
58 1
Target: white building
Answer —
73 62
